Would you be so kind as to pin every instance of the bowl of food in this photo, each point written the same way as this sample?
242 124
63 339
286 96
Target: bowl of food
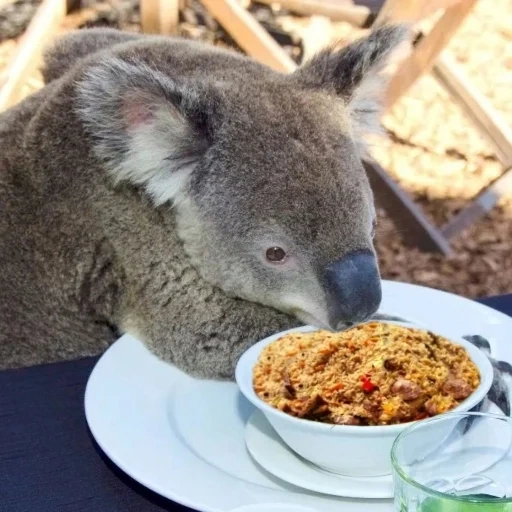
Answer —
339 400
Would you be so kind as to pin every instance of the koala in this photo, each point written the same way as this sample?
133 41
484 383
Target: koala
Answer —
186 195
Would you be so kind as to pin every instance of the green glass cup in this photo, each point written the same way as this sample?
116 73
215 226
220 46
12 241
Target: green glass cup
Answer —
455 462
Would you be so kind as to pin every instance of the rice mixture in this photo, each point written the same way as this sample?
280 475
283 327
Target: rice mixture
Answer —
373 374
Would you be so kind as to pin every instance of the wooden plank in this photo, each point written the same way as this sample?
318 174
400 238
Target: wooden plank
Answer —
357 15
150 16
249 34
159 16
427 56
169 17
399 11
28 55
416 229
411 11
480 206
427 50
476 106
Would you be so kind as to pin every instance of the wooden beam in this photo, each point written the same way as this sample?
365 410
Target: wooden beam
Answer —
28 54
160 16
480 206
150 16
476 106
249 34
169 17
416 229
399 11
427 50
479 109
411 11
427 56
336 10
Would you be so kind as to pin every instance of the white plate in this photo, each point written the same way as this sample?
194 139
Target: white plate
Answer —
270 452
184 438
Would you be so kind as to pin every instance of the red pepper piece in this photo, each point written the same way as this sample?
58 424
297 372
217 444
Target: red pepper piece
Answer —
367 385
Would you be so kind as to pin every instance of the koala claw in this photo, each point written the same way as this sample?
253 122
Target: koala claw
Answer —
389 318
479 342
499 393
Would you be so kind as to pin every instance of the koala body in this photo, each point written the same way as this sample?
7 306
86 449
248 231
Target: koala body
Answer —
187 195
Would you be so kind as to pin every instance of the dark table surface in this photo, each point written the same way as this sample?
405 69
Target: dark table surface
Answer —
48 459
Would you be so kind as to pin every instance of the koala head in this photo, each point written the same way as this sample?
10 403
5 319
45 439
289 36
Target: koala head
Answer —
261 169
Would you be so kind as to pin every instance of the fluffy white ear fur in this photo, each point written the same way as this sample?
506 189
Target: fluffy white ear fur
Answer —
365 110
141 133
354 73
154 154
366 100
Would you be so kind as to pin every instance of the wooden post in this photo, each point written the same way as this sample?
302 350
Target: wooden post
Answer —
411 11
416 229
477 107
427 50
483 204
399 11
336 10
249 34
169 17
150 16
28 55
160 16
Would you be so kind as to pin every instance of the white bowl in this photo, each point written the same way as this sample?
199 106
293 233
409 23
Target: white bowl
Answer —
348 450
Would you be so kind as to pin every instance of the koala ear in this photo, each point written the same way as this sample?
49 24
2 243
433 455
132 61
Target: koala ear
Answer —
147 129
354 73
77 44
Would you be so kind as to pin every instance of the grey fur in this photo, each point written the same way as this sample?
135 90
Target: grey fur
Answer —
65 52
97 240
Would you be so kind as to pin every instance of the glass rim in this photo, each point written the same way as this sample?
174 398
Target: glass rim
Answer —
427 490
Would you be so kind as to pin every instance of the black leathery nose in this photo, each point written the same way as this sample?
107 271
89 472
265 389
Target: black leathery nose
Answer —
353 288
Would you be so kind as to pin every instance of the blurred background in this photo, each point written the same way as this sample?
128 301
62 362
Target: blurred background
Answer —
433 150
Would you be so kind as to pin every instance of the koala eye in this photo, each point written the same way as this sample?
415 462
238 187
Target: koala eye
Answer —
374 227
275 255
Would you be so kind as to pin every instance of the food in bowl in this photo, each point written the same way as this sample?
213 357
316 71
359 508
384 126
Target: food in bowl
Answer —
344 449
374 374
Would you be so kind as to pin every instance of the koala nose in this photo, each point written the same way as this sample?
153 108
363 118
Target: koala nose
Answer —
353 289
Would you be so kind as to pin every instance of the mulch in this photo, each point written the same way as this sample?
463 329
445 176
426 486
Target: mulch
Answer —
432 149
